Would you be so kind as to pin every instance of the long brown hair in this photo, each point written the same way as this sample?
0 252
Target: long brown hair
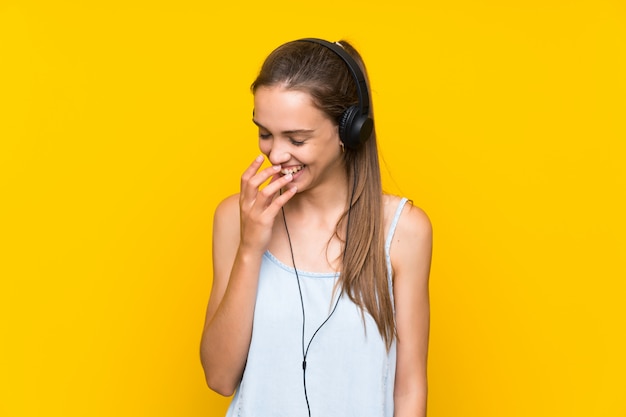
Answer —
317 70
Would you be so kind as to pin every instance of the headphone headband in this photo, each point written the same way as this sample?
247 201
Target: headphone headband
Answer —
355 70
355 125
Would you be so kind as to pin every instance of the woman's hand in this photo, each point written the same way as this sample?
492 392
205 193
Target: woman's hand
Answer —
260 206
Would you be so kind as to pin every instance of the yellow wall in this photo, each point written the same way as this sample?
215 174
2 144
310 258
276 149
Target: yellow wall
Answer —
123 124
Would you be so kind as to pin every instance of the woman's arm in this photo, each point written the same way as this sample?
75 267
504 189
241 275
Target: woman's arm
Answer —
241 232
411 256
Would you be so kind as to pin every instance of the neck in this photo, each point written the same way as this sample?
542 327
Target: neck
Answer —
329 198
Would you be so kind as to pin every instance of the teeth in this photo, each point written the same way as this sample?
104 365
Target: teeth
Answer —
291 170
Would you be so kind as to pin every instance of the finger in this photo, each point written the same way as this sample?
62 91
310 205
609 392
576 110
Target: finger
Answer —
281 200
251 188
258 205
262 176
250 183
275 177
245 177
276 184
252 169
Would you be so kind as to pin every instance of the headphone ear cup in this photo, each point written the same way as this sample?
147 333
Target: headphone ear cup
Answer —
354 128
345 123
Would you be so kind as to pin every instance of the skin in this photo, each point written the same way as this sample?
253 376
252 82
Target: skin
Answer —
295 135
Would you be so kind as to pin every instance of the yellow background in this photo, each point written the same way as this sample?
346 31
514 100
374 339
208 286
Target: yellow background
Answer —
122 124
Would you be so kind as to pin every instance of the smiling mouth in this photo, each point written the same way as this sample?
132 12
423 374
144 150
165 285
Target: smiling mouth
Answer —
292 170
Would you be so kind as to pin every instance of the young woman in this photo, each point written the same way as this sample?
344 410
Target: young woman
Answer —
319 305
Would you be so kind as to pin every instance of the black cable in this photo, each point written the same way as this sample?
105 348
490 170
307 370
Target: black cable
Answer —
305 352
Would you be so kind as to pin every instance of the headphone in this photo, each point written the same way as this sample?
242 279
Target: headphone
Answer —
355 125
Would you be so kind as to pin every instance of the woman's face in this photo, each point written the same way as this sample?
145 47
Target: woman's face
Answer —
298 136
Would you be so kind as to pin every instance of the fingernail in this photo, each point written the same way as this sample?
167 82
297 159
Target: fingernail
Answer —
276 167
259 158
288 176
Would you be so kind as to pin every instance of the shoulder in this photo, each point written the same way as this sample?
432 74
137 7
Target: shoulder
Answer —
226 218
228 207
412 239
413 220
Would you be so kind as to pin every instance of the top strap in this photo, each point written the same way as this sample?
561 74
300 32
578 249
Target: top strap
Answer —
394 223
389 239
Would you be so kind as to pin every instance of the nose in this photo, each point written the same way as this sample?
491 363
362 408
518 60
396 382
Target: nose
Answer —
278 153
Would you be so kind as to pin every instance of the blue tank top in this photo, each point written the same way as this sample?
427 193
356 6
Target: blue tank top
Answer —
349 370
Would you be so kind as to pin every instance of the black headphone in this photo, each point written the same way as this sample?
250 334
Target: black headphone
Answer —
355 125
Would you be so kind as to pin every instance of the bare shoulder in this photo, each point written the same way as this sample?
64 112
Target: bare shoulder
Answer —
412 239
228 208
226 222
413 220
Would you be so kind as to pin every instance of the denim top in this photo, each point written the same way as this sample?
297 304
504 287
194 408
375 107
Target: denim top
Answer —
349 370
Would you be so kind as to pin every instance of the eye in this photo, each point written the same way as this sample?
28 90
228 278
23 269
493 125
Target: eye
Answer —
296 142
265 135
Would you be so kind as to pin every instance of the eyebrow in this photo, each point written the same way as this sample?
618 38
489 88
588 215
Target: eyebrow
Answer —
286 132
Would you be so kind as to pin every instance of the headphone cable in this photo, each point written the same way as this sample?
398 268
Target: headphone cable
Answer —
305 352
